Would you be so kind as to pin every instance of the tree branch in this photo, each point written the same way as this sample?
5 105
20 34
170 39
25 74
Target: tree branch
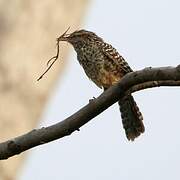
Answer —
135 81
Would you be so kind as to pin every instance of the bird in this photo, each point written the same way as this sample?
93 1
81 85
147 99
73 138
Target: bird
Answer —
105 67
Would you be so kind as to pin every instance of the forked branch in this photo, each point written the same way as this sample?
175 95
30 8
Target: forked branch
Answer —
134 81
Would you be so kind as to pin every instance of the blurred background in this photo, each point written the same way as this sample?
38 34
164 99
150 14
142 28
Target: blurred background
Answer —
146 33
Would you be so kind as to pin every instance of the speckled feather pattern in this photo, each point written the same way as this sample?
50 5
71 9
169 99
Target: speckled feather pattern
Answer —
105 67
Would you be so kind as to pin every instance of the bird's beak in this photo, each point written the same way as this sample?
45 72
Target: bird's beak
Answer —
62 38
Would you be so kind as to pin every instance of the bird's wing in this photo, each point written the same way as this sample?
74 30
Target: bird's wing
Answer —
112 54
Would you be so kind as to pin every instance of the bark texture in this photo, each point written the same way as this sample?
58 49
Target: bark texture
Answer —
131 82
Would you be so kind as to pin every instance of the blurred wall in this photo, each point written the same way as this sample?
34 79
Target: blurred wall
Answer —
28 30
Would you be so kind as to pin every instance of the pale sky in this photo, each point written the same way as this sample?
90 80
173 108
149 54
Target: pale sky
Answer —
146 33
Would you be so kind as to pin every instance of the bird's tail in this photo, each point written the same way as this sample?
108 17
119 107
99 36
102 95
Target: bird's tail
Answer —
131 117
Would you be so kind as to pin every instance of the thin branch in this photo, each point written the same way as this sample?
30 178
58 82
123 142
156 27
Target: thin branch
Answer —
152 84
134 81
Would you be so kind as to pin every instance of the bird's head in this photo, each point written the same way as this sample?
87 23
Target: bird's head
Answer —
79 38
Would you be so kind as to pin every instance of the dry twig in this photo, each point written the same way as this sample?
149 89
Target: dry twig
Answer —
54 58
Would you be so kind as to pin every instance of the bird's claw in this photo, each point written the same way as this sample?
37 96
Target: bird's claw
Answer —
91 100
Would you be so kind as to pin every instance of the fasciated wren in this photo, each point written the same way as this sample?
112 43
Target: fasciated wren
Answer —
105 67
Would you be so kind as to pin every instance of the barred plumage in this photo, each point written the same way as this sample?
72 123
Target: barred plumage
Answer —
105 67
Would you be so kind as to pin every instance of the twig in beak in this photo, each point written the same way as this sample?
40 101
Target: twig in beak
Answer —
54 58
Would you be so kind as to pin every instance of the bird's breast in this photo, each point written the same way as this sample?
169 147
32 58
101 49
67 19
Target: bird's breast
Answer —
98 67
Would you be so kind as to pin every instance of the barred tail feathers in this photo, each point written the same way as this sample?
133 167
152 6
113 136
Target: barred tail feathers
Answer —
131 118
